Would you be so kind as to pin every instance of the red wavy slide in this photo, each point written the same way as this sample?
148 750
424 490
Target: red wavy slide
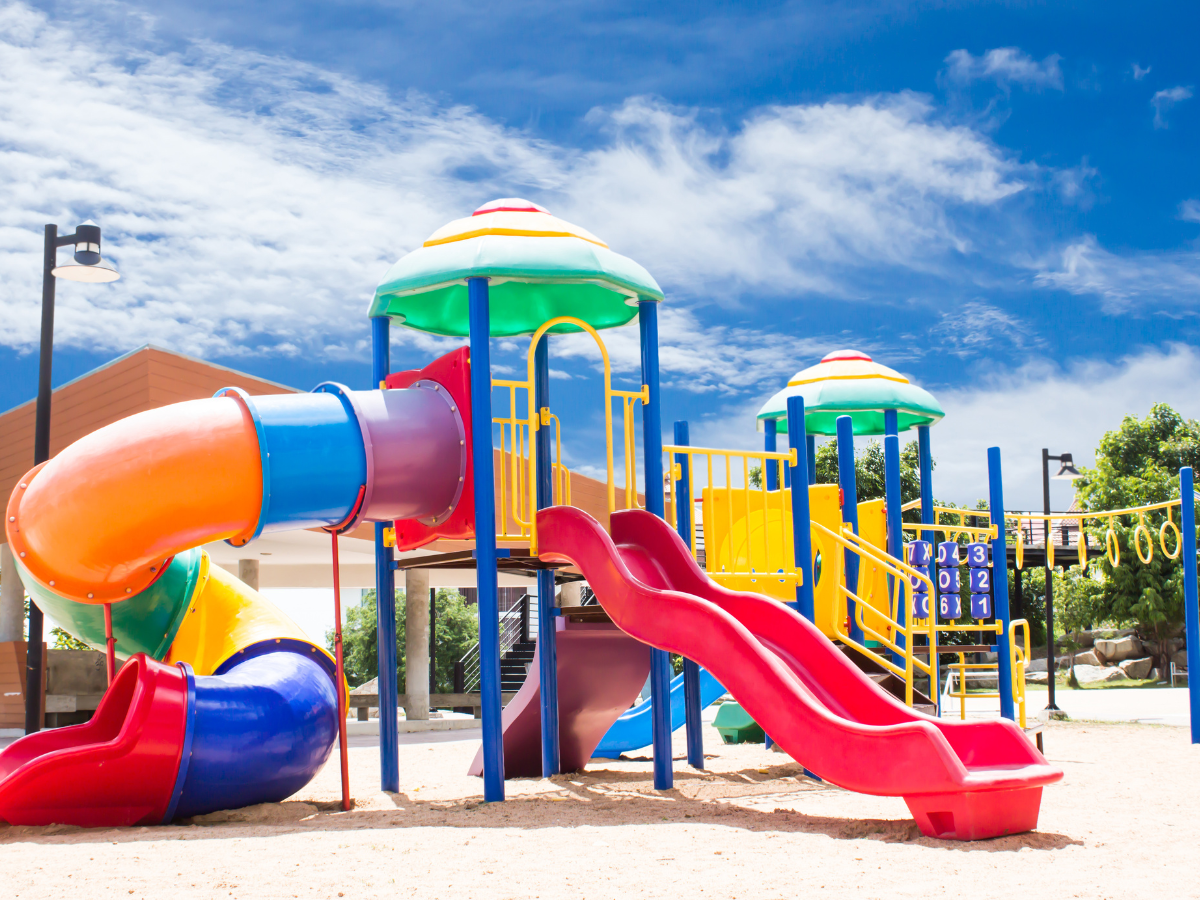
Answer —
961 780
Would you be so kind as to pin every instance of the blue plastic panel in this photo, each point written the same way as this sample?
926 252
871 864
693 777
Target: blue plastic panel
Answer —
981 581
948 581
920 553
977 555
947 554
981 606
920 606
950 606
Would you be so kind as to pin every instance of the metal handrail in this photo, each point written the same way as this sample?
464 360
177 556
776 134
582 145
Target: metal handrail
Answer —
513 623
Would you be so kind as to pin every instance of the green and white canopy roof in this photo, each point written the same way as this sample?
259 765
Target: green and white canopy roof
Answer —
850 383
538 267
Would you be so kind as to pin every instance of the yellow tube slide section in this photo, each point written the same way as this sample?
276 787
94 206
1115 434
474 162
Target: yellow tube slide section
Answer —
98 522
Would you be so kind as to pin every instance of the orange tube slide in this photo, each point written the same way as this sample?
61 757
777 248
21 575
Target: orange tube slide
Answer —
100 521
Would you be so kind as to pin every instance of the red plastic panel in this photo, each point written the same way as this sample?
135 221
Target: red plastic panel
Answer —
600 671
117 769
452 372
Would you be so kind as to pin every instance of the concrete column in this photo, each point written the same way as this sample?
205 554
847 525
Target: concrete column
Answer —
416 643
12 598
248 572
571 594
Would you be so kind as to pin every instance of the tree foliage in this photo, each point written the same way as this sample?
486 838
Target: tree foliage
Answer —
1136 464
456 631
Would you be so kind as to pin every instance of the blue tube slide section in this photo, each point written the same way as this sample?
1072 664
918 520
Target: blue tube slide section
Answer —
256 734
634 730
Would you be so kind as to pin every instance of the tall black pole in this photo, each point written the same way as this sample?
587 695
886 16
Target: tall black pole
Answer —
1051 668
41 453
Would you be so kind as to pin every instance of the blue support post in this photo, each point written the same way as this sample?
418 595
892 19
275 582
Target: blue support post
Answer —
811 441
770 443
547 636
1191 612
385 599
849 486
487 589
1000 581
892 502
691 669
660 660
925 461
801 520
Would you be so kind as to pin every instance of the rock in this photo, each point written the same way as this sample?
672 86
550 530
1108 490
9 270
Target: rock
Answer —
1097 674
1082 639
1173 645
1088 658
1037 677
1119 649
1137 668
1036 665
1155 674
1180 659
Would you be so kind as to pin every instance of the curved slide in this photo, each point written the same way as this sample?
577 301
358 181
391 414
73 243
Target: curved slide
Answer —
635 728
961 780
224 701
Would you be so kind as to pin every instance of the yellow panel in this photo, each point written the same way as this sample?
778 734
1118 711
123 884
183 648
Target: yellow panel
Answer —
872 580
226 615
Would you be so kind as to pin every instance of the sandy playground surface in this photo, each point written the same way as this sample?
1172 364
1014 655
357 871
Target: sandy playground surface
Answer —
1123 823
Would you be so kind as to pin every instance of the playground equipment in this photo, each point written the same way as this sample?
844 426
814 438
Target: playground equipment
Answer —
224 701
417 458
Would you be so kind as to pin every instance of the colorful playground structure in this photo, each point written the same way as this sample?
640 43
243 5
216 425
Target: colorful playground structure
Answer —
811 608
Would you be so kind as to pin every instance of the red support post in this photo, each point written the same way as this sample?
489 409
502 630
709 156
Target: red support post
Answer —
341 678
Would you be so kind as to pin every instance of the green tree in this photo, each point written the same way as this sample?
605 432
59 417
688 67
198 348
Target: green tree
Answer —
869 470
456 631
1137 464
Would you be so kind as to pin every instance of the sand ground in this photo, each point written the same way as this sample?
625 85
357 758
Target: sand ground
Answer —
1123 823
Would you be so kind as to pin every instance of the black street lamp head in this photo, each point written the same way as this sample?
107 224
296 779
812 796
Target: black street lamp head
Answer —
1067 470
88 265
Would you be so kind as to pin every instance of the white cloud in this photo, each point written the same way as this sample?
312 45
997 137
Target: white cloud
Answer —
253 202
1040 405
1165 99
1085 267
1139 73
974 325
1006 66
1189 210
702 357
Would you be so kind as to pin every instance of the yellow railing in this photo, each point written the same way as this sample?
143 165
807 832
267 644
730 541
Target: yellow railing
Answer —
881 628
1018 659
517 482
1112 547
757 502
952 530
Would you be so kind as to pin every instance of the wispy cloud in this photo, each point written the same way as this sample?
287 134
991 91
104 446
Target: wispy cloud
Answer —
1139 73
1005 66
1084 267
1165 99
975 325
1189 210
253 202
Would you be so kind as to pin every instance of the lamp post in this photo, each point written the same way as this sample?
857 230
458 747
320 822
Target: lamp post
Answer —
1066 472
87 267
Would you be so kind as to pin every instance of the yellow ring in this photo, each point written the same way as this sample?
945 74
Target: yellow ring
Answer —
1082 548
1137 544
1162 539
1020 554
1112 547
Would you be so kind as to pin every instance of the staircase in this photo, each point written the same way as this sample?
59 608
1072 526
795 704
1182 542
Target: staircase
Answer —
888 681
514 665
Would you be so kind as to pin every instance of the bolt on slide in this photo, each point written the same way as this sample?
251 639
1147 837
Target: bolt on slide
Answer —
223 701
961 780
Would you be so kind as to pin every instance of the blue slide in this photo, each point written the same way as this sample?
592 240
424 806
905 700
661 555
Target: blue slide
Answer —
634 730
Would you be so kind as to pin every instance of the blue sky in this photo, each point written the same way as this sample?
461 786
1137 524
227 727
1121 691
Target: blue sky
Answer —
999 199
